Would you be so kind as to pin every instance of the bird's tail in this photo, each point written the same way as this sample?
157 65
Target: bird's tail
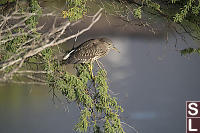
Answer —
66 58
68 55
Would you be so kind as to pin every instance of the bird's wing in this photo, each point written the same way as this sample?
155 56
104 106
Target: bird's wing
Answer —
86 51
101 50
88 44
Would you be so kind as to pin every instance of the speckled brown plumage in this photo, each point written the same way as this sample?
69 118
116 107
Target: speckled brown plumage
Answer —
90 50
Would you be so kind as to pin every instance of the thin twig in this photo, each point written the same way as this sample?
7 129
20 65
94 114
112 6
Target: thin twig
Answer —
135 130
22 82
30 71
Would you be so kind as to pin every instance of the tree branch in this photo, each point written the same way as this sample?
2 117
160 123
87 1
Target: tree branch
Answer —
32 46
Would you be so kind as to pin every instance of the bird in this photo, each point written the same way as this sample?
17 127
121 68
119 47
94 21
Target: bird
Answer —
89 51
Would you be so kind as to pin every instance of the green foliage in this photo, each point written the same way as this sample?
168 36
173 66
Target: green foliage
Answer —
76 9
189 5
6 1
196 9
90 94
189 17
35 8
190 51
83 124
11 47
138 13
152 4
14 45
121 8
184 11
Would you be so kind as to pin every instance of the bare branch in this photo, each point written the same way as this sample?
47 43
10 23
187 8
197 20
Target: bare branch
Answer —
9 75
34 78
33 46
22 82
38 48
30 71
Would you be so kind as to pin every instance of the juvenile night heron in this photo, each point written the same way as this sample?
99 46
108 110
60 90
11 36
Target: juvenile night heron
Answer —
89 51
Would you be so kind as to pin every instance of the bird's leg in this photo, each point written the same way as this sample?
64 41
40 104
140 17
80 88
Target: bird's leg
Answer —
91 69
101 64
98 64
103 68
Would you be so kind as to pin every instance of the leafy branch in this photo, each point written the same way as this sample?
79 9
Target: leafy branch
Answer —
34 42
23 46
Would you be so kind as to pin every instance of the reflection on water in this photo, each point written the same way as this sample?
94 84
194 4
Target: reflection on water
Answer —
153 80
29 109
144 115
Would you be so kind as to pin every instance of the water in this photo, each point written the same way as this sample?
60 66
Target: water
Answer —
26 108
155 82
150 78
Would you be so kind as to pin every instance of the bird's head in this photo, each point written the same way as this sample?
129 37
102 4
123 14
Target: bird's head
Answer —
109 44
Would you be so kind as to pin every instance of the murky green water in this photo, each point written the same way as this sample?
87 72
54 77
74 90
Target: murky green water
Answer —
150 78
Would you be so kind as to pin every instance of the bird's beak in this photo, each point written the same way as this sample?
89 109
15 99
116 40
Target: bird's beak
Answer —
114 48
